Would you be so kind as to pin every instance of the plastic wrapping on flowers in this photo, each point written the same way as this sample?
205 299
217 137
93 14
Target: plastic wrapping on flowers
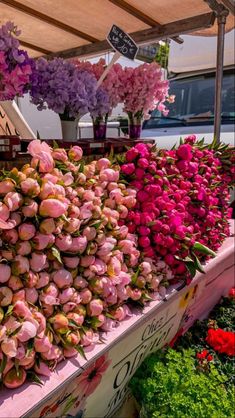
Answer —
80 243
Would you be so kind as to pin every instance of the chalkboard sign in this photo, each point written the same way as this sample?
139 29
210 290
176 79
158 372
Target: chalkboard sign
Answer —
122 42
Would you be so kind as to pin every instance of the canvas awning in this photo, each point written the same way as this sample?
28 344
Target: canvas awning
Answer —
79 27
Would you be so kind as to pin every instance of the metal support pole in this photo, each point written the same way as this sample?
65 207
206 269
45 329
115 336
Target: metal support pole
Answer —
221 19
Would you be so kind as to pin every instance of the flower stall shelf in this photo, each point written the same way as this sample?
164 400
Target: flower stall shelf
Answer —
99 383
95 250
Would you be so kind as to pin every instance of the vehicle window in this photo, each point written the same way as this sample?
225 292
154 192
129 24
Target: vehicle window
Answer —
194 102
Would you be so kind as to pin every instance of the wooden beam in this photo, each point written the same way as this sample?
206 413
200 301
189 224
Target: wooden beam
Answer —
34 47
144 37
230 4
48 19
122 4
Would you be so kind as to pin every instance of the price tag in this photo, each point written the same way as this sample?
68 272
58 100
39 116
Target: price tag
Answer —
122 42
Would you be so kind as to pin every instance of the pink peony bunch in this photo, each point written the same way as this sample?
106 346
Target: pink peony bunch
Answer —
68 263
182 202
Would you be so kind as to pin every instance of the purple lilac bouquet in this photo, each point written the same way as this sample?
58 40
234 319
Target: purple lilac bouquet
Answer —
15 65
58 85
102 105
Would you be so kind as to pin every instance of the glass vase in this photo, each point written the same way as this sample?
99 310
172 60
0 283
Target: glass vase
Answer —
135 126
99 127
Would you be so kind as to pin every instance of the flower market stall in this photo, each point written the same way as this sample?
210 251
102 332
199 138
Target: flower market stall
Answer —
107 248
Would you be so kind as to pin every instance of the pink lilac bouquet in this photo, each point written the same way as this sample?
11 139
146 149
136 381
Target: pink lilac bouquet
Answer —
68 263
144 90
15 65
60 86
113 82
182 202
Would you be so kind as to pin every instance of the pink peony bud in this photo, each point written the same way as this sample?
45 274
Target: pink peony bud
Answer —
42 345
20 265
31 295
89 232
79 245
66 295
7 186
9 347
63 242
53 354
13 201
73 225
7 254
75 153
47 226
30 187
38 261
63 278
71 262
87 260
15 283
14 378
23 248
70 352
59 154
43 280
95 307
86 296
30 208
102 163
11 236
108 174
21 309
4 212
79 282
26 231
41 241
53 208
41 153
19 295
59 321
27 331
5 273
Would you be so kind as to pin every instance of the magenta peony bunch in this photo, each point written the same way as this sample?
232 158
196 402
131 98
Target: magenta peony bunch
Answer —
15 65
68 264
182 202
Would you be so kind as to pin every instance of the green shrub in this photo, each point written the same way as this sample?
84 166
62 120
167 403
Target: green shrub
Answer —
170 385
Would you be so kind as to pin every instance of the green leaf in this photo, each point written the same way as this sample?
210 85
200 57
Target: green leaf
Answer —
191 268
56 254
3 363
15 331
203 249
55 145
34 378
80 350
9 310
73 324
198 265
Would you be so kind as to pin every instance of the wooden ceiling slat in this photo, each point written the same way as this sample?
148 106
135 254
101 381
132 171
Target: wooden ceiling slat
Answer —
140 15
45 18
34 47
146 36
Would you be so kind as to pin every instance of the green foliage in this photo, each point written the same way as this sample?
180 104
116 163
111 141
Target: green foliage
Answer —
169 385
172 384
163 54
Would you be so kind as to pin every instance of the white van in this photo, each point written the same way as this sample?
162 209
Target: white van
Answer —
192 81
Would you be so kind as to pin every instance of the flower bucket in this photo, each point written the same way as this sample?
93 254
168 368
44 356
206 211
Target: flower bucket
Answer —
69 129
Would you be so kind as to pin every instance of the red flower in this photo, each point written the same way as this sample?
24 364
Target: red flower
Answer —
221 341
202 355
231 294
